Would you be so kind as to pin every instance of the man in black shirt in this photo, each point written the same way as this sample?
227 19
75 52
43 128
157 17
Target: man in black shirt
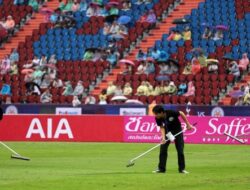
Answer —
168 121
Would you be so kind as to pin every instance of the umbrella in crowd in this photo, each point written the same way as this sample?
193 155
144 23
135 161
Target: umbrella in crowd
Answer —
113 3
181 21
212 61
126 61
162 78
228 57
95 4
173 61
51 66
150 59
124 19
119 98
205 24
221 27
111 18
133 101
46 11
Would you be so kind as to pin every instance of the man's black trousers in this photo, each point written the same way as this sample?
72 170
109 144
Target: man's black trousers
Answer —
179 144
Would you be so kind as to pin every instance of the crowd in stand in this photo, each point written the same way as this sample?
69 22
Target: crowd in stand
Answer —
41 73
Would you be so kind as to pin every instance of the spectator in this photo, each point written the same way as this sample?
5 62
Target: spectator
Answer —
91 11
171 89
13 69
196 67
240 101
141 69
106 29
174 35
83 5
212 65
61 5
207 33
9 24
14 56
3 33
46 97
75 102
173 68
140 55
75 7
8 100
128 70
247 88
33 89
34 4
151 17
246 100
150 68
57 83
190 90
52 59
5 65
68 90
126 5
114 29
78 89
187 69
45 81
149 53
112 57
141 89
103 97
118 91
182 88
37 75
187 34
164 68
244 62
111 88
90 100
218 35
34 62
150 89
234 69
68 6
127 90
156 53
43 61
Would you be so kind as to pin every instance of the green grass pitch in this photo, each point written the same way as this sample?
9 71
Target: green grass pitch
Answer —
97 166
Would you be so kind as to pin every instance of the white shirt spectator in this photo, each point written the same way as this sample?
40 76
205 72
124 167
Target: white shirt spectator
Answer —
76 101
78 89
46 97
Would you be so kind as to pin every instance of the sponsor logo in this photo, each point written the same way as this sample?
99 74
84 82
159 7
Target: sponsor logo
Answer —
11 110
235 127
62 128
68 111
217 112
133 111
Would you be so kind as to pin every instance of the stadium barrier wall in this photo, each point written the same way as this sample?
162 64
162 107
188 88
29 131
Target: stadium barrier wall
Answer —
103 128
123 109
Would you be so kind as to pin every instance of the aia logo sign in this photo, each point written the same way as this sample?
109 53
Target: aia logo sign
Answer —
52 130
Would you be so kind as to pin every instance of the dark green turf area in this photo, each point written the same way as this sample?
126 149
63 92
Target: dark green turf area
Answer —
90 166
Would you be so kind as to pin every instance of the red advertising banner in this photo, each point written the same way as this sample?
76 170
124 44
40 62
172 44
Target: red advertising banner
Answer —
104 128
87 128
208 130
